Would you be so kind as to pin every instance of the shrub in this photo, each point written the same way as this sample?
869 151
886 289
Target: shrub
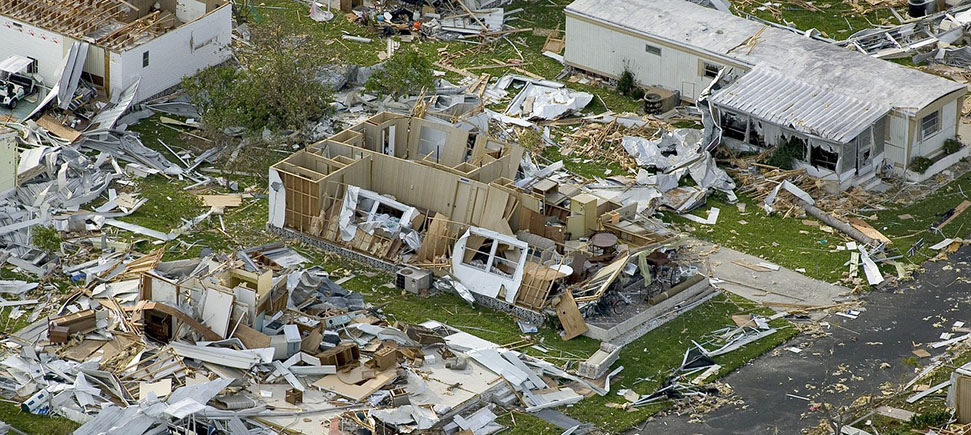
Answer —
952 146
406 73
626 84
786 152
47 238
929 419
920 164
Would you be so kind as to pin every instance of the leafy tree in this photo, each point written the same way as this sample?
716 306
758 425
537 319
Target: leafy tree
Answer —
406 73
274 86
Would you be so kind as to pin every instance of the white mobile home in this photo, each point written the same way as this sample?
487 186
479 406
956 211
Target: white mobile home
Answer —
855 115
155 41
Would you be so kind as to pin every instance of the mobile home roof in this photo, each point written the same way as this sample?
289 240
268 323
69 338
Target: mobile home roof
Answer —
821 64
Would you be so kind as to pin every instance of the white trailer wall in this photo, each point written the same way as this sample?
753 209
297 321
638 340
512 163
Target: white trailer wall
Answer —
934 144
48 48
605 50
180 52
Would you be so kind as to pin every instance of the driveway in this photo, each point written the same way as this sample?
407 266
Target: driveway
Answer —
858 356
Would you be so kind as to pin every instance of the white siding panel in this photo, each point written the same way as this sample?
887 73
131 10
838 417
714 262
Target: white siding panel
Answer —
599 49
179 53
48 48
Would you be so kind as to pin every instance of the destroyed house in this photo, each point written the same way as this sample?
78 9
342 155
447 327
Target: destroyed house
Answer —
121 42
851 115
422 192
367 185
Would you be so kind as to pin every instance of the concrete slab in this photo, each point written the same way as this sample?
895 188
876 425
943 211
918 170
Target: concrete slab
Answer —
25 106
784 287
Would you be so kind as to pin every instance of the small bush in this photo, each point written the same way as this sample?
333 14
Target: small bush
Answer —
920 164
929 419
406 73
637 94
47 238
626 84
787 152
952 146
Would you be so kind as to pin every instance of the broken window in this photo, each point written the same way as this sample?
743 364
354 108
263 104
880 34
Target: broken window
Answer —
470 146
734 125
491 255
710 69
756 135
145 59
823 157
652 49
930 125
376 213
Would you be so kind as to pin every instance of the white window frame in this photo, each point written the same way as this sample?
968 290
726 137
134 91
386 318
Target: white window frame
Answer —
705 65
652 49
924 133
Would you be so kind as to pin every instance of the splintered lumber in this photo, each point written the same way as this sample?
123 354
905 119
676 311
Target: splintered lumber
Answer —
957 212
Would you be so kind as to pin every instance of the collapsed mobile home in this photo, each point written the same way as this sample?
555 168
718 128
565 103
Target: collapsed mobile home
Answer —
853 116
397 190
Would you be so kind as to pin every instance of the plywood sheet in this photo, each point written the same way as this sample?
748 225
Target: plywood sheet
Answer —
60 130
570 317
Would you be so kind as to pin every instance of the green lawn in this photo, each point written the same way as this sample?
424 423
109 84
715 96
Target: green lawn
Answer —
783 241
654 355
906 231
35 424
836 19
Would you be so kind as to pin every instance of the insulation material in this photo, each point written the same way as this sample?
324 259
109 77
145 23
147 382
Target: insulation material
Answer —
346 218
542 102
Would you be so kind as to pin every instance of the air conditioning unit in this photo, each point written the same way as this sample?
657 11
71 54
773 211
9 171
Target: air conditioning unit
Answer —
413 279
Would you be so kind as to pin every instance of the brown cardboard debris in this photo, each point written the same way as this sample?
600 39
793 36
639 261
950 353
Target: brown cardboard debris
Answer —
354 391
161 388
221 200
921 353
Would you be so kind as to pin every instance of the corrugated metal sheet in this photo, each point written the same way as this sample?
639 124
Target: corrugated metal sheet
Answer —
779 99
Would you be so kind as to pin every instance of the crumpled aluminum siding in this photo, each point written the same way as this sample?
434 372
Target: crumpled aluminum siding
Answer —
771 96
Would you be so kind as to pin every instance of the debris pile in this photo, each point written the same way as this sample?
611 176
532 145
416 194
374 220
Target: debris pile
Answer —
258 342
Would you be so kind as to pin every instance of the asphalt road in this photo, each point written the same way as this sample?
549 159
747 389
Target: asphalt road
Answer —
855 355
